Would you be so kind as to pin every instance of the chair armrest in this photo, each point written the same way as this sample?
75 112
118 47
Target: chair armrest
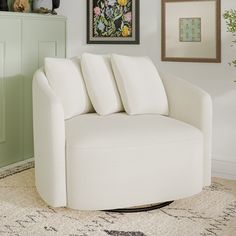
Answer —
49 142
192 105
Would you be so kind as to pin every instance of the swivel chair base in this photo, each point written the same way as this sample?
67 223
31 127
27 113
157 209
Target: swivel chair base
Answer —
143 208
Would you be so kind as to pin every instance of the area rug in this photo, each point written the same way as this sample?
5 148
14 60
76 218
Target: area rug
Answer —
23 213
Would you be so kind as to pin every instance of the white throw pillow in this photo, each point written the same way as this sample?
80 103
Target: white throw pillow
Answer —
140 85
101 84
65 78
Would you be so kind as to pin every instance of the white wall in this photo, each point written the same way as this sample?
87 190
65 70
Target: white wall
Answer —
217 79
75 10
150 17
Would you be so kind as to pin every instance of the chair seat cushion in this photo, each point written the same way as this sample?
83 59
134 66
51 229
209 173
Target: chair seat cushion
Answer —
119 161
122 130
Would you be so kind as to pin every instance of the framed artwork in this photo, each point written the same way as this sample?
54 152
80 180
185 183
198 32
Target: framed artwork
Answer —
113 21
191 30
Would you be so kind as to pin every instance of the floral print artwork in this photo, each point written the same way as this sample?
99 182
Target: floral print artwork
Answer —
112 18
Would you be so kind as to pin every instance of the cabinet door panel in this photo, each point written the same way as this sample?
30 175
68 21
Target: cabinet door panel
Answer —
2 94
11 84
41 38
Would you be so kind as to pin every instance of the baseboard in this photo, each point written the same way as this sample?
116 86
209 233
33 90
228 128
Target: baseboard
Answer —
224 169
16 168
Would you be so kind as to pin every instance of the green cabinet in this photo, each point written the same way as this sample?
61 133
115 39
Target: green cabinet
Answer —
25 39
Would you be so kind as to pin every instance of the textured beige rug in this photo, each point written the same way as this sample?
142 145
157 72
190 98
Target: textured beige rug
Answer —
22 212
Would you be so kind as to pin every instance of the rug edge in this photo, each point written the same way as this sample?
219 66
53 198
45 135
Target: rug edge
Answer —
17 169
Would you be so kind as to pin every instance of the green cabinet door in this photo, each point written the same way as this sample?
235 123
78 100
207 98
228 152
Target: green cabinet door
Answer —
43 37
25 40
11 96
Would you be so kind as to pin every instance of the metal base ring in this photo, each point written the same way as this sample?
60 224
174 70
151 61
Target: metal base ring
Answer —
141 208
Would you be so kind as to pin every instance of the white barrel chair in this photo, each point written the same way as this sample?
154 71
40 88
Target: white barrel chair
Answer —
92 162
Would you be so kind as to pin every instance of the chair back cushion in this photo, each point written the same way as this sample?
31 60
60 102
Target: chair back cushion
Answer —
140 85
65 78
101 84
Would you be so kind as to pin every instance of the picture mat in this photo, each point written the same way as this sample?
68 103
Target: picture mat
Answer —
204 10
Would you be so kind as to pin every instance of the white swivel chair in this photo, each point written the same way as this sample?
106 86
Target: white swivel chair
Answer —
92 162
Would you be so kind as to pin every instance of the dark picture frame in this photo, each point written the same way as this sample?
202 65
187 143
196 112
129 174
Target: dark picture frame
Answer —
113 22
182 39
